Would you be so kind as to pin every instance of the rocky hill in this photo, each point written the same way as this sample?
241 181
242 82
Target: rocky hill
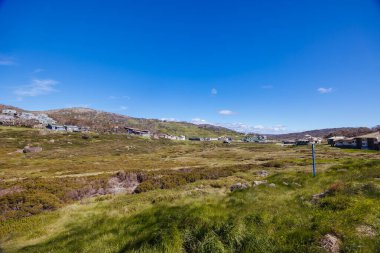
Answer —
107 122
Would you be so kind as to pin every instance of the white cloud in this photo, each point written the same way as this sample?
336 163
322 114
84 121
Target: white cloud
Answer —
325 90
36 88
226 112
123 108
7 61
199 121
169 119
214 92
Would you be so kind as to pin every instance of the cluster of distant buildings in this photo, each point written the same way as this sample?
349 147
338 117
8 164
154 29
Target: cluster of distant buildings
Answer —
306 140
9 115
67 128
368 141
225 139
255 138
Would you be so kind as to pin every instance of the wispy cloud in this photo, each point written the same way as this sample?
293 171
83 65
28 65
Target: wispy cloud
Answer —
214 92
325 90
112 97
260 129
123 108
36 88
38 70
7 61
77 105
245 128
226 112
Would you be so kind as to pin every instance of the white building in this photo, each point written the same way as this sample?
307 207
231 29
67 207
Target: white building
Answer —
346 142
182 138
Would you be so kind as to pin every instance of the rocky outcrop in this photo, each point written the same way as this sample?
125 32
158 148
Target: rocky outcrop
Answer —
122 182
239 186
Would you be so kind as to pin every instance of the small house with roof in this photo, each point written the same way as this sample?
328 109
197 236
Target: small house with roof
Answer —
55 127
368 141
134 131
331 141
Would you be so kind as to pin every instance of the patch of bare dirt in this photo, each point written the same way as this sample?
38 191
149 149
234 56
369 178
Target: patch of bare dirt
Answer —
11 190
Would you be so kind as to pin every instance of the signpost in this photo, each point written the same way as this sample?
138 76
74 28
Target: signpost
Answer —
313 155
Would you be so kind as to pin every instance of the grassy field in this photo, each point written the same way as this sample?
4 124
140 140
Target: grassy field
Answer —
75 196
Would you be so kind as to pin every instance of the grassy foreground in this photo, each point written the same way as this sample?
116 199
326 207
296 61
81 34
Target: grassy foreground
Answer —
200 215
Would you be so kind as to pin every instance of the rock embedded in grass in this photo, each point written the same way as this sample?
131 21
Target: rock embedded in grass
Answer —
263 173
239 186
29 149
331 243
365 230
256 183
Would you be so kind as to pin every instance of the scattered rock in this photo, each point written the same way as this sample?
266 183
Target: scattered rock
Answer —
239 186
285 183
297 184
51 141
272 185
377 178
29 149
331 243
263 173
256 183
69 142
85 137
365 230
318 196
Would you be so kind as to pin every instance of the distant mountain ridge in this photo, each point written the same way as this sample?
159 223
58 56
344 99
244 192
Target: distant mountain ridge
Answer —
328 132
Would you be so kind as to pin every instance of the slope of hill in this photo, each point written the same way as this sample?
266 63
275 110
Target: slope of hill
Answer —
328 132
106 121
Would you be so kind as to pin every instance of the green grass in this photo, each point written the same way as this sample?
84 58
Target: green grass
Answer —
189 208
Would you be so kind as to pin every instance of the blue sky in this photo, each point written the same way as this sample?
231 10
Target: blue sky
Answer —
264 66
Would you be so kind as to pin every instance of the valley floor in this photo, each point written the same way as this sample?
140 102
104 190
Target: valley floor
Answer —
113 193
